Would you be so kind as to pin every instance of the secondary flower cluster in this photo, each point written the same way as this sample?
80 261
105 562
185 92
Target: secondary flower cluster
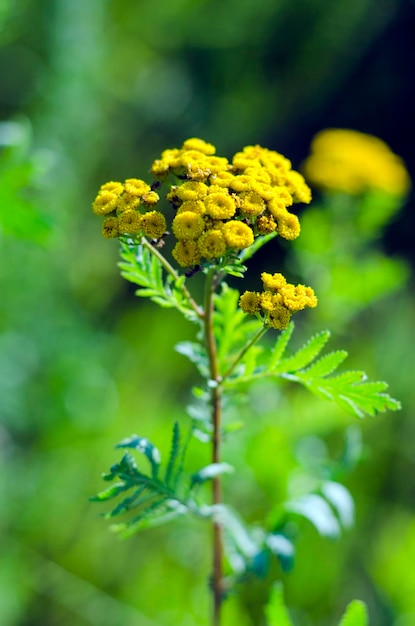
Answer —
353 162
278 301
219 207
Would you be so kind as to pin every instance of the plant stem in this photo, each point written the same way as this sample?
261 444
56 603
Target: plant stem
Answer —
260 333
216 405
170 270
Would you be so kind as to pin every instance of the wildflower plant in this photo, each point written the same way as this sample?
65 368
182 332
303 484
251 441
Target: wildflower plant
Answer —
360 185
203 215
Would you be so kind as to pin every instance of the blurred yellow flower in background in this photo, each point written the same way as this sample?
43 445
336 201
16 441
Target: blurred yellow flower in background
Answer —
354 162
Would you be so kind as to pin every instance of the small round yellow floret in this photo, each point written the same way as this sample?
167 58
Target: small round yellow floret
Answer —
150 198
188 225
110 228
265 225
136 187
112 185
220 205
279 318
250 302
186 253
198 144
238 235
129 222
274 282
191 190
212 244
251 203
288 225
153 224
105 202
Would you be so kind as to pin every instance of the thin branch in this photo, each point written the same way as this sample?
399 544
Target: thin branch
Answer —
260 333
170 270
215 390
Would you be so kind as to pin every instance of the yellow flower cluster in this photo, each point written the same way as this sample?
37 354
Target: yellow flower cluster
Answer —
119 204
354 162
278 301
219 207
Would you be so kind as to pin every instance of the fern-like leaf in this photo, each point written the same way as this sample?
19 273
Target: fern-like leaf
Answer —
275 611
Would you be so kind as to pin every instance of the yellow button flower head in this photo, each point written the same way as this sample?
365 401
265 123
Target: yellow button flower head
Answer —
105 202
250 302
136 187
212 244
194 206
279 318
110 227
251 204
238 235
198 144
188 225
273 282
191 190
214 209
220 205
129 222
153 224
354 162
186 253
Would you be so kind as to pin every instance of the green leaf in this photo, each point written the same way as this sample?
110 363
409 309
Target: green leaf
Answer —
326 365
141 267
304 355
111 492
317 511
275 611
210 471
356 615
146 447
280 346
171 469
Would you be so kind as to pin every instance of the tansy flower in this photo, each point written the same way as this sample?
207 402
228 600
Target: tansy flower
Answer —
288 225
129 222
150 198
354 162
136 187
105 202
274 282
250 302
153 224
194 206
297 186
110 227
251 204
241 183
114 186
198 144
220 206
212 244
297 298
238 235
127 202
190 190
265 225
221 179
279 318
186 253
188 225
270 300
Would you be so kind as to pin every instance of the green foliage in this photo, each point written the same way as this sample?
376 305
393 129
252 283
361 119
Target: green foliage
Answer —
277 614
142 266
20 213
348 389
356 615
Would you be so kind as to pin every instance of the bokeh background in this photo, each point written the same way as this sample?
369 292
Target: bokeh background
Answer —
93 91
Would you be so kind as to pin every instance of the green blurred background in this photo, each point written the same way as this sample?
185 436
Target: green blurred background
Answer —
93 91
